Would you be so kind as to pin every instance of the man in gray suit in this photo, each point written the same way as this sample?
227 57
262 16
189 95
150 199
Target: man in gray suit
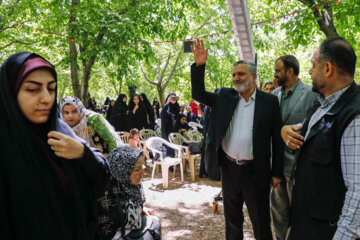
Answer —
295 99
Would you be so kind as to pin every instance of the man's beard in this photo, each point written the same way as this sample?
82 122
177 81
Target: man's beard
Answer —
281 81
317 86
243 87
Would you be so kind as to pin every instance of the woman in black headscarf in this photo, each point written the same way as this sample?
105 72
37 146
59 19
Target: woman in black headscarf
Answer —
49 178
149 111
107 101
126 166
156 108
170 119
170 116
137 113
120 114
108 112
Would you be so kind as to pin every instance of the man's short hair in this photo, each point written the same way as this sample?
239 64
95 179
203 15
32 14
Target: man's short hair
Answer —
250 66
290 61
340 53
268 84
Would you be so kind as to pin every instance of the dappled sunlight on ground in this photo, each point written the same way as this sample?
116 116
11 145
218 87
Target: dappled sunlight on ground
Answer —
185 209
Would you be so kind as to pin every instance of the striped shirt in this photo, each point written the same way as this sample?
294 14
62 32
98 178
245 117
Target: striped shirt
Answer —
326 105
349 222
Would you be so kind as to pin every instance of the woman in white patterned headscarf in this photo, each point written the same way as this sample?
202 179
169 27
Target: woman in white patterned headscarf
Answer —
94 129
88 125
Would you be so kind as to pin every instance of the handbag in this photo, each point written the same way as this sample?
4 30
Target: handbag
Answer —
195 147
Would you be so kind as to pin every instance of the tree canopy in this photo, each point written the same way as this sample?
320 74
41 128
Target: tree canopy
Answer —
105 46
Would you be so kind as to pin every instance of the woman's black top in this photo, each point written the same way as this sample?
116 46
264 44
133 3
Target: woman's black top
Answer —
120 115
139 119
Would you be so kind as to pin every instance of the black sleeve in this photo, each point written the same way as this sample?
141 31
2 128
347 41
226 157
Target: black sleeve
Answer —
277 142
164 116
96 168
5 222
198 86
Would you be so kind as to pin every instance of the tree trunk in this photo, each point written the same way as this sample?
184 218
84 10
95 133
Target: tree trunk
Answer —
161 94
62 91
86 77
120 84
326 25
82 92
73 51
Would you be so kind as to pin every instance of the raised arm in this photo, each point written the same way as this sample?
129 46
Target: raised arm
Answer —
198 74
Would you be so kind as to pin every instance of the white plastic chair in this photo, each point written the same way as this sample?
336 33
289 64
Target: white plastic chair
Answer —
194 135
195 125
146 133
178 139
124 136
158 132
158 122
154 143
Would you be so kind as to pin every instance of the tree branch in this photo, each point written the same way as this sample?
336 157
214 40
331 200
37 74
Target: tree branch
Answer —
165 67
128 7
158 69
206 22
13 42
8 14
114 86
180 67
326 26
146 77
173 69
13 26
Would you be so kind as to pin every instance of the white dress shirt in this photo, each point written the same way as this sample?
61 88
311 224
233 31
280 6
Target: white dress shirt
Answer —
238 141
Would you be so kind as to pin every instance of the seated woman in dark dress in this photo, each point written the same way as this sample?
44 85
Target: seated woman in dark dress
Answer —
183 125
126 166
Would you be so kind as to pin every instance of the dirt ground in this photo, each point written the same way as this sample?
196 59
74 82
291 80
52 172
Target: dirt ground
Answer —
185 209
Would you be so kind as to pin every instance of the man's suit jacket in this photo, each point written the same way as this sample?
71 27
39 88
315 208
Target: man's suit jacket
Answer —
301 100
266 128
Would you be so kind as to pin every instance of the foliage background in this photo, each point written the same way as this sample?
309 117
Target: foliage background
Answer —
117 67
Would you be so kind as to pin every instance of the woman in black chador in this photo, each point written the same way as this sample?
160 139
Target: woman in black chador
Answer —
49 178
138 117
170 118
156 108
120 114
149 111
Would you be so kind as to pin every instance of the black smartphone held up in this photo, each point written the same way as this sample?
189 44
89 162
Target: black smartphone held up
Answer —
187 45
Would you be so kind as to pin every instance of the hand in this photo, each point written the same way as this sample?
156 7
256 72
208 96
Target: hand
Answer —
291 138
275 182
65 146
147 211
200 53
135 108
